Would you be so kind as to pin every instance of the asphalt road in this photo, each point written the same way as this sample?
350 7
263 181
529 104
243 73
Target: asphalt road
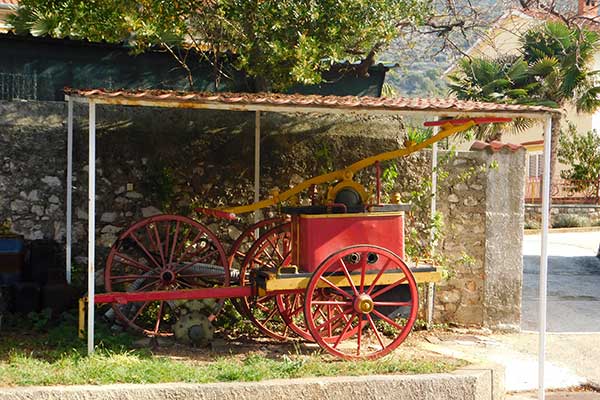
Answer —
573 282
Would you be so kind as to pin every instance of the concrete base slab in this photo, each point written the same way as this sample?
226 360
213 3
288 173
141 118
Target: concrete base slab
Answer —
473 383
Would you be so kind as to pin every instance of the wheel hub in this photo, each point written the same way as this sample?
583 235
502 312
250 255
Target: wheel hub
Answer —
167 276
363 304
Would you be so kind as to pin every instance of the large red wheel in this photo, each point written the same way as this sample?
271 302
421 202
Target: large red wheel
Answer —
347 315
268 253
164 252
241 246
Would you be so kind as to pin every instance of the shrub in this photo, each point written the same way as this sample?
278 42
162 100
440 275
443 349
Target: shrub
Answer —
570 221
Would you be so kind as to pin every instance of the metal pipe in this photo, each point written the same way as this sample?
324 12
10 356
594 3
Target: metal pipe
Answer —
69 221
256 163
91 223
543 283
434 181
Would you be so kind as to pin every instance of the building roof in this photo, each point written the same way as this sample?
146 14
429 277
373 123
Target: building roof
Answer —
11 3
591 23
495 146
303 103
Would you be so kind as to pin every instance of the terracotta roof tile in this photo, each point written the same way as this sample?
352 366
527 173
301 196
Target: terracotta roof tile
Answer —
590 22
275 100
495 146
11 2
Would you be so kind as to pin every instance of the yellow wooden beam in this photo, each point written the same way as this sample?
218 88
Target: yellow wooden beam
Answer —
347 173
273 283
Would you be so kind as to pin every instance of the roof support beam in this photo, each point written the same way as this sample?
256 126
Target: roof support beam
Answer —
91 223
543 283
69 222
257 162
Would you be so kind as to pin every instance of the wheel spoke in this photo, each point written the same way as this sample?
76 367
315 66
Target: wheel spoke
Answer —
160 246
392 303
337 289
124 278
175 235
191 246
388 320
332 302
344 331
389 287
348 277
363 272
156 282
358 340
381 271
375 331
276 248
150 257
270 316
140 310
126 260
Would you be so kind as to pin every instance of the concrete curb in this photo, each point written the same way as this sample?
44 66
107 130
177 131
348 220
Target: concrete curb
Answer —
479 382
564 230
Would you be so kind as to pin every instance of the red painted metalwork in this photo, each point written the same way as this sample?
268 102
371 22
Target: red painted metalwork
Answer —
488 120
318 236
216 213
356 313
163 253
168 295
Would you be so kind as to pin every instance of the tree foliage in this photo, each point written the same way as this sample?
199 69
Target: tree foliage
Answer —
555 68
581 152
278 42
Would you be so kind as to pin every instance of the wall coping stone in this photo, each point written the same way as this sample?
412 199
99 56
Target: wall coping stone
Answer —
476 382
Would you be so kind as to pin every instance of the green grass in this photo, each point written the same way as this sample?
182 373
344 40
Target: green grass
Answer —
32 354
129 367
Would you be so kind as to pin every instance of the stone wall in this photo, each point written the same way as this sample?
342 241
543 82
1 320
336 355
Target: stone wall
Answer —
587 214
157 160
482 204
153 160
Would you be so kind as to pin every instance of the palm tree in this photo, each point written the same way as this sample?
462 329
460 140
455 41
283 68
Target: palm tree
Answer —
501 80
561 60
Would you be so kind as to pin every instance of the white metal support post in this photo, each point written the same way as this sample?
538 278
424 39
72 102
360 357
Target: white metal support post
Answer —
543 284
91 223
434 176
256 162
69 221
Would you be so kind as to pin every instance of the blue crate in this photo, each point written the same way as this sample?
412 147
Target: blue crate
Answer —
11 245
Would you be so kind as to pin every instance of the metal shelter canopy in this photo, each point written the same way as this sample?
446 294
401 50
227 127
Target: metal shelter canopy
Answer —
257 102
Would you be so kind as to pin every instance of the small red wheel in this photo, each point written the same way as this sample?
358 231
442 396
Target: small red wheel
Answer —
355 323
268 253
164 252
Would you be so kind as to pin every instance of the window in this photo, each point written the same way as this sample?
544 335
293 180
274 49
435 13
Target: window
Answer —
535 163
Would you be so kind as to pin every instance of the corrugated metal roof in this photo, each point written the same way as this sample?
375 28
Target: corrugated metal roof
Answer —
9 2
296 102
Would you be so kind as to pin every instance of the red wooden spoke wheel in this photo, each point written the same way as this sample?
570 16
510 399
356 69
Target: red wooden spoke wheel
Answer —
268 253
164 252
242 244
346 306
291 309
